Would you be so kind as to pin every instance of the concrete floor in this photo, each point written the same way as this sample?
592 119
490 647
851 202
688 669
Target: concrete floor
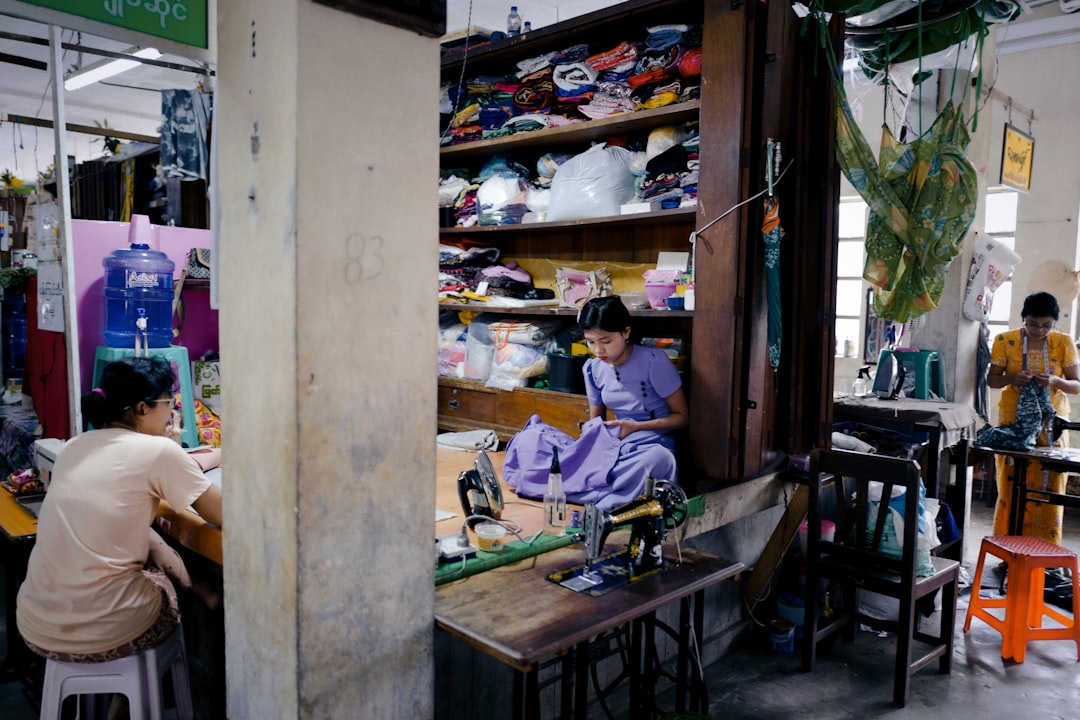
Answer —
854 680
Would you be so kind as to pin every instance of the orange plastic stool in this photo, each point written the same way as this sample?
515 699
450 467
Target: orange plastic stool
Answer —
1027 558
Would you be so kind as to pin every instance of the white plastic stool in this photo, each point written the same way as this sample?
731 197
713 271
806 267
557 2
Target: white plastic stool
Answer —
137 676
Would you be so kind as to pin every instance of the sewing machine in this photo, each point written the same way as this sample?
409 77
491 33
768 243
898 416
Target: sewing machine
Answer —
1060 424
661 508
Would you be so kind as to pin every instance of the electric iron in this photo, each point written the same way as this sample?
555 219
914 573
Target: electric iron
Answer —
479 491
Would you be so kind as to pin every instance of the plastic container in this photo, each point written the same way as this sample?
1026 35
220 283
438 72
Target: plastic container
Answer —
792 608
13 313
658 293
489 536
782 637
565 372
828 531
138 283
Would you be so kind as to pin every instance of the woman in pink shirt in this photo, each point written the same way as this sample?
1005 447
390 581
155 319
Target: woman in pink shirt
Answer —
95 589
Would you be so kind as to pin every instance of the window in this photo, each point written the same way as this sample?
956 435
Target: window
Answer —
850 259
1000 225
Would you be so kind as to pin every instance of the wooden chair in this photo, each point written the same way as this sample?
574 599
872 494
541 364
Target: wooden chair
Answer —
854 560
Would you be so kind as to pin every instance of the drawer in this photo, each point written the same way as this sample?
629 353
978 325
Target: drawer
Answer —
564 411
475 404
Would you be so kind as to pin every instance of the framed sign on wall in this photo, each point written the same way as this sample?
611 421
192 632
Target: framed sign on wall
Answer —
1017 156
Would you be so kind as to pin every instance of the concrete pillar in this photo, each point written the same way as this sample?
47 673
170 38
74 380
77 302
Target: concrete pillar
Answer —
327 125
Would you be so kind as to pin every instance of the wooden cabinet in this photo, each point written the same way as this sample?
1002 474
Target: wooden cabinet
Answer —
758 82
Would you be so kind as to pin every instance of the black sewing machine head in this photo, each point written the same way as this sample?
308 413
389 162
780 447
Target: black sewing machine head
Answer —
661 508
1058 425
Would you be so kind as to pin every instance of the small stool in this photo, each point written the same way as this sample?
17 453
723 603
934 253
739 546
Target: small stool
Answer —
137 676
178 357
1027 558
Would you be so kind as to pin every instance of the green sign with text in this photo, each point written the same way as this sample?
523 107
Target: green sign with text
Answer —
182 21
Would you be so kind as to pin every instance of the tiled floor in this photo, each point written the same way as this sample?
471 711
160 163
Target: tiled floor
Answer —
853 681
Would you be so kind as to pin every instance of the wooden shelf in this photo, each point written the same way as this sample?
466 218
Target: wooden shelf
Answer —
614 22
580 133
559 311
660 216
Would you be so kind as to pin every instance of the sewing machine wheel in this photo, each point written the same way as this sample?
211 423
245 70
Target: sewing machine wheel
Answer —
676 497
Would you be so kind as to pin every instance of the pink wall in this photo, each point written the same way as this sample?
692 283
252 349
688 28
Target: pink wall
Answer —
93 242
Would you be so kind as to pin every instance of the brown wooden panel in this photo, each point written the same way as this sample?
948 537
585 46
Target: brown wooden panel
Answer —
562 410
714 437
475 403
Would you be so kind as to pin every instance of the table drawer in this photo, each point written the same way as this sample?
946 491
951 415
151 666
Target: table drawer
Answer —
477 404
564 411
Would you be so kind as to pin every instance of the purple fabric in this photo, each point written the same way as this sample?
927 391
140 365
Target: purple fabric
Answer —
585 462
598 467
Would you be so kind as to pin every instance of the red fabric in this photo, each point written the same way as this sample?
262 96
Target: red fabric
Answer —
46 373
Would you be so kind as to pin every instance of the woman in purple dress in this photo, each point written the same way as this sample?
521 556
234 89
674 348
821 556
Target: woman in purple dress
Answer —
641 388
611 460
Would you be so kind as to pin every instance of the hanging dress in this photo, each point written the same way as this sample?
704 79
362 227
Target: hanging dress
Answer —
922 197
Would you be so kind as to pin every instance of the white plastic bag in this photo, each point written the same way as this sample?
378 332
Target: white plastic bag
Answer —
595 183
991 266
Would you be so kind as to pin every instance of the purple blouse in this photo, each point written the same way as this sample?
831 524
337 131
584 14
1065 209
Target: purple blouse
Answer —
637 389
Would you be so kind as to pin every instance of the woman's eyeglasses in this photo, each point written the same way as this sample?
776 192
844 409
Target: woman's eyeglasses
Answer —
172 403
1039 326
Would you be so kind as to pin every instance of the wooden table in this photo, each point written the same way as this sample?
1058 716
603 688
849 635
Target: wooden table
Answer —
1058 459
949 428
517 616
18 528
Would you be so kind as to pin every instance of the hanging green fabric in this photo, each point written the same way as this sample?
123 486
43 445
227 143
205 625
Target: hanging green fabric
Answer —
909 37
922 197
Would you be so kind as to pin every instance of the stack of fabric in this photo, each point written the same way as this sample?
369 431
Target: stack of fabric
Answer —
575 84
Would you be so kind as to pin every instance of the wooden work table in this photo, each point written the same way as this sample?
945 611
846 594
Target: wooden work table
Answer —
519 617
18 528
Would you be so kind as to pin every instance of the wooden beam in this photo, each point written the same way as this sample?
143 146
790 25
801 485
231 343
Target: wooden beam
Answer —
84 129
756 588
735 502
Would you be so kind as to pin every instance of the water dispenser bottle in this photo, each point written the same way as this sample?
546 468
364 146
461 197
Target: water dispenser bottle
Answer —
13 312
138 284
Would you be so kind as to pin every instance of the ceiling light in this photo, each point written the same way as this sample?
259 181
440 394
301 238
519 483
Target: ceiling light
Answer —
98 71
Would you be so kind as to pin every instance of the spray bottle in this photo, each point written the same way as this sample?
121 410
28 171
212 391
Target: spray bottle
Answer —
861 386
554 498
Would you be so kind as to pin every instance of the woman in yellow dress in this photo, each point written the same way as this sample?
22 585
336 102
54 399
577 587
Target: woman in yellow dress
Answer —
1033 353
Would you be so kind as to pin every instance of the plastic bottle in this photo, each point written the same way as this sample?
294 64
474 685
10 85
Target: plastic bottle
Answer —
554 498
688 297
513 22
861 386
526 28
138 283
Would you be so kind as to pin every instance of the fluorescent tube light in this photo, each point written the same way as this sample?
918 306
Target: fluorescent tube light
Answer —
97 72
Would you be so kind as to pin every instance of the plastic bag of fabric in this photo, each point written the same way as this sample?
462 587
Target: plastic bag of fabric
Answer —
595 183
992 265
892 534
513 364
501 199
